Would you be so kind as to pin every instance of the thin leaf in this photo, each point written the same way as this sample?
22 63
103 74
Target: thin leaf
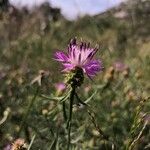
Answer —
53 145
32 140
53 97
90 98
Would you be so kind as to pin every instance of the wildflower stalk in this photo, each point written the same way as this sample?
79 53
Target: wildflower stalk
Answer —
78 61
64 111
92 115
74 79
70 115
102 134
138 137
31 142
136 125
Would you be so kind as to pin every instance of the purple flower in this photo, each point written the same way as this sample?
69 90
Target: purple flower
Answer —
60 86
7 147
119 66
81 56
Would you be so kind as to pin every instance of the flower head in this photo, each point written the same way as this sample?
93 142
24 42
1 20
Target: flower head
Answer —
119 66
60 87
19 144
80 56
7 147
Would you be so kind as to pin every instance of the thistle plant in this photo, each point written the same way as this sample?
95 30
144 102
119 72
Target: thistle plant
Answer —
77 62
79 56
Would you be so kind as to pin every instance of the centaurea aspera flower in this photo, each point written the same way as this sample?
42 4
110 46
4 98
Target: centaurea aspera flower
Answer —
119 66
60 88
80 56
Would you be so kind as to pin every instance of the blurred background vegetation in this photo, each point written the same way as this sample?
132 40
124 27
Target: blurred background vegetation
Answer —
28 40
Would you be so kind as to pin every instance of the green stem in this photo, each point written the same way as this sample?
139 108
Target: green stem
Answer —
138 137
31 142
70 115
64 111
135 124
92 117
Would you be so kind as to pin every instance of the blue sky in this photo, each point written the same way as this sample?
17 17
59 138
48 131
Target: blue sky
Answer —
73 8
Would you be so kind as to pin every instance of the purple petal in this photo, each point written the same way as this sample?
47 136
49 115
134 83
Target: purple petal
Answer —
90 56
60 56
73 41
68 67
119 66
79 55
93 67
60 86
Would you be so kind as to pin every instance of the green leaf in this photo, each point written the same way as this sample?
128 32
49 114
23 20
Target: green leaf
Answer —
90 98
53 144
32 140
53 97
